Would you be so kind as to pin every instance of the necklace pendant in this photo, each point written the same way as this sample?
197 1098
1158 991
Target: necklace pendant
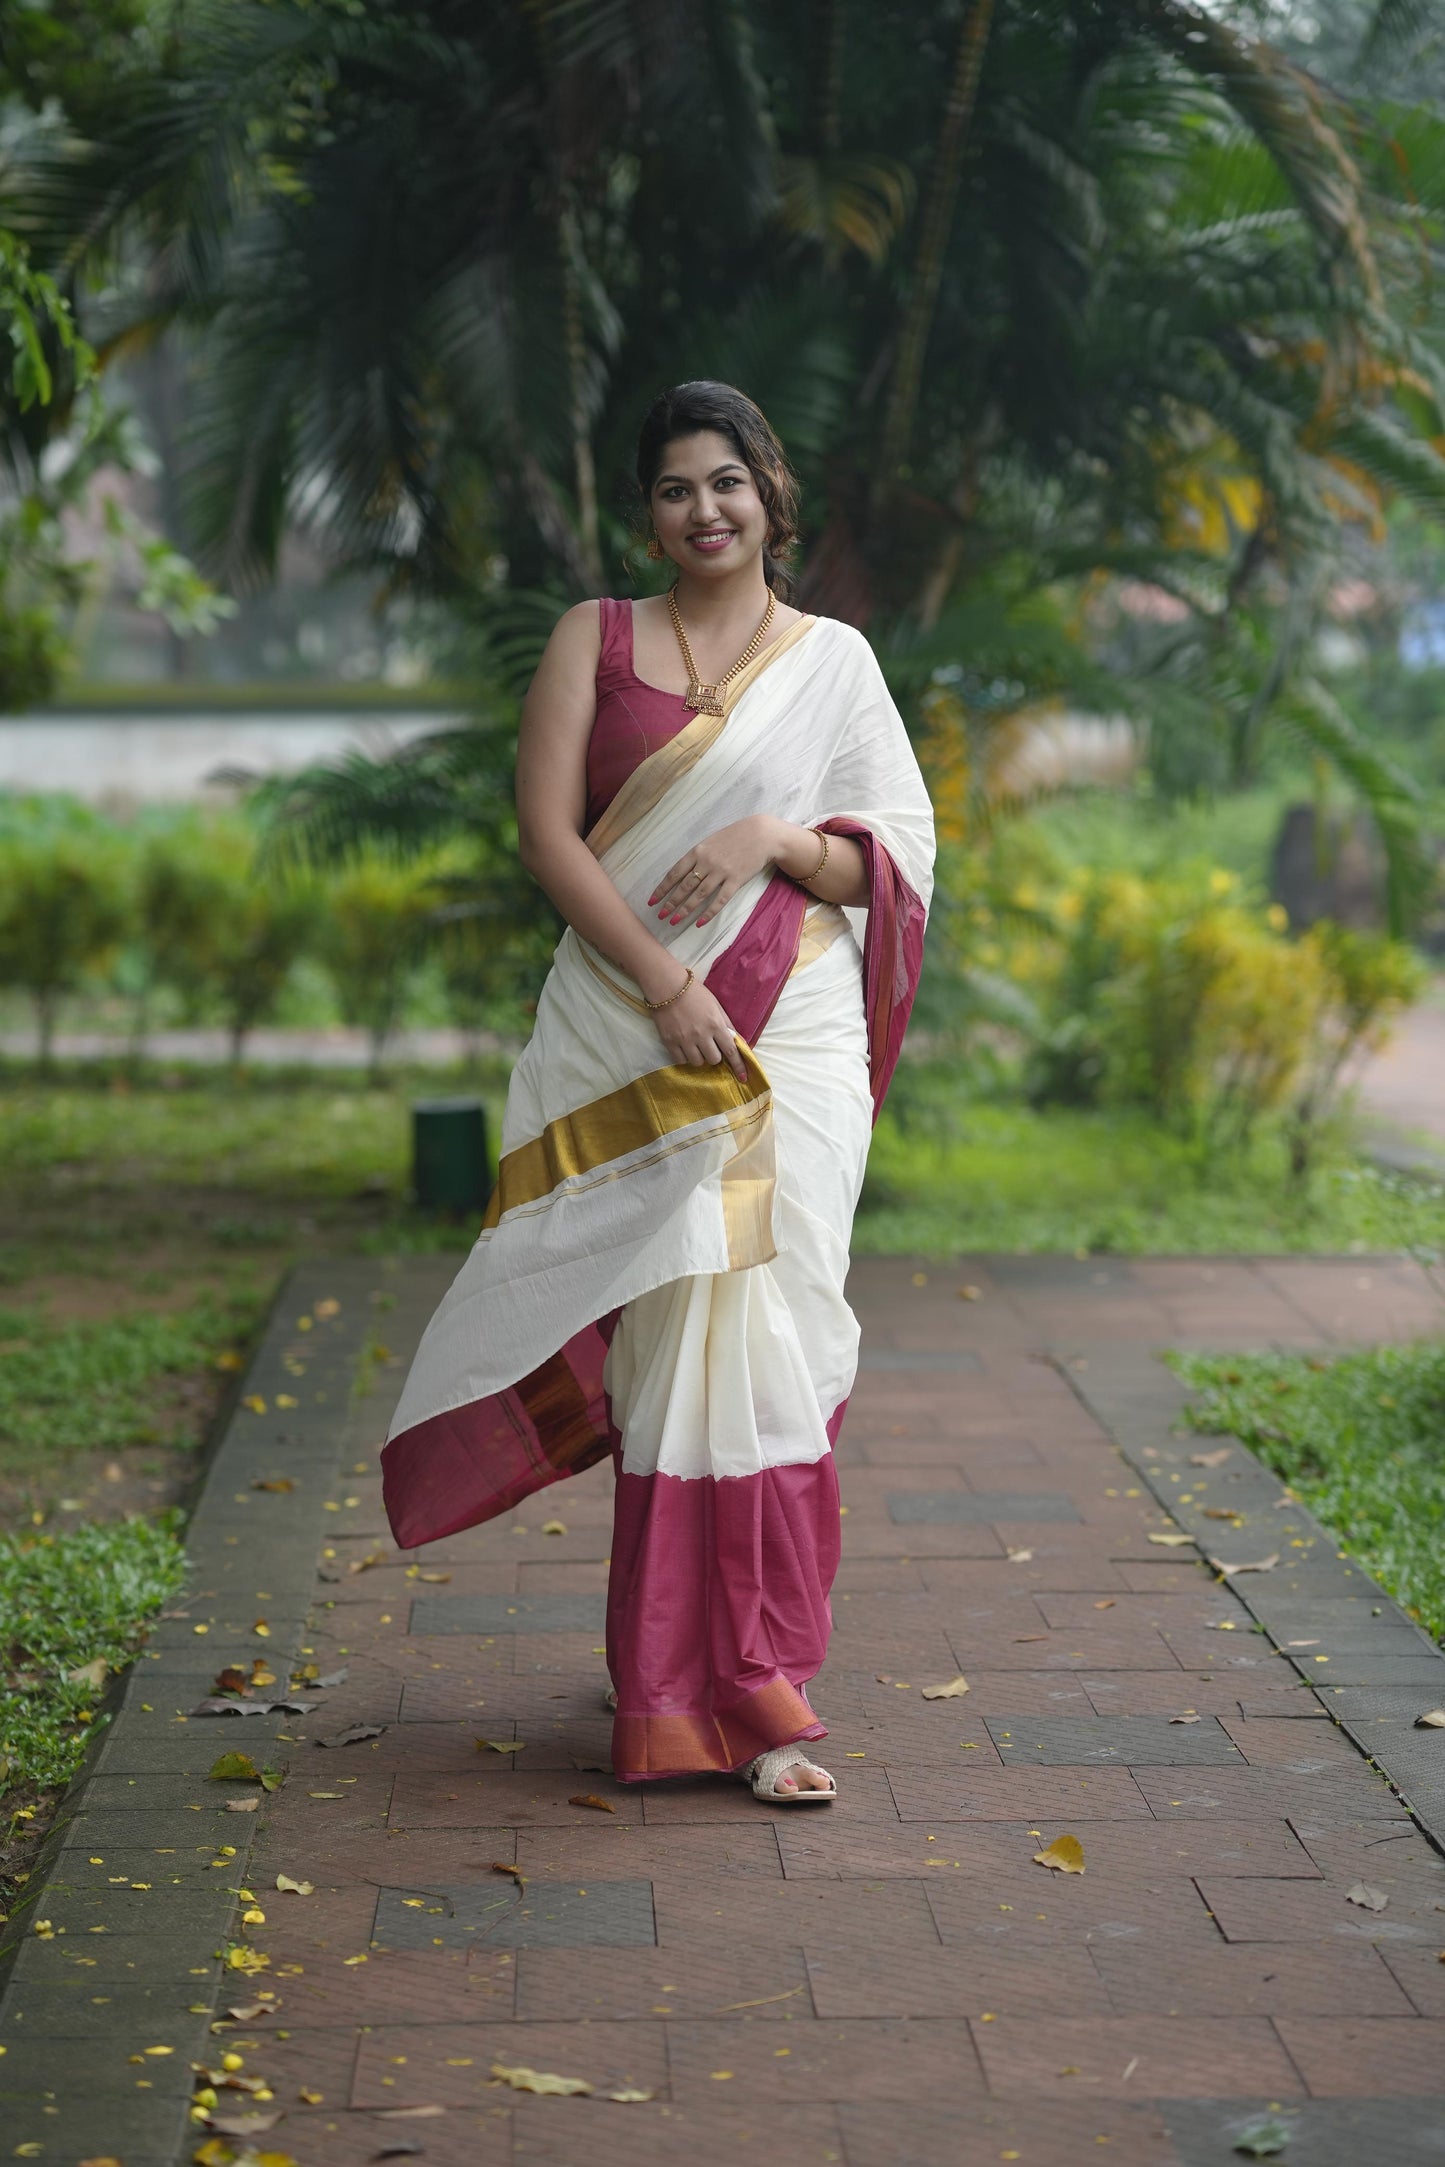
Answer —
704 698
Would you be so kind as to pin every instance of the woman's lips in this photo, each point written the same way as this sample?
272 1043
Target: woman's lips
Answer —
711 542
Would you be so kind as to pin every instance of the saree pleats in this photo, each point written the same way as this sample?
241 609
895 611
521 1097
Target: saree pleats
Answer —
727 1391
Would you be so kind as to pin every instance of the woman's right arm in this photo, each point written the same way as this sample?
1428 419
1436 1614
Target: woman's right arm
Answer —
557 719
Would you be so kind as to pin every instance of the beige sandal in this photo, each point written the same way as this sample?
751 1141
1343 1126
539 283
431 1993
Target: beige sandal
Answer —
609 1700
763 1774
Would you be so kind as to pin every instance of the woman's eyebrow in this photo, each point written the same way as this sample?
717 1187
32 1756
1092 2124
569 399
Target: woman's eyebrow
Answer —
729 466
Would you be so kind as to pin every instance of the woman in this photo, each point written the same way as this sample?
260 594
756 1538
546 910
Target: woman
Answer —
705 783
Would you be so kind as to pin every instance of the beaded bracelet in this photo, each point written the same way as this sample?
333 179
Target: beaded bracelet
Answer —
655 1007
806 881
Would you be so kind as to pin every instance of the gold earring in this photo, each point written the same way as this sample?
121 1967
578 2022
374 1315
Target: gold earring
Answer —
655 549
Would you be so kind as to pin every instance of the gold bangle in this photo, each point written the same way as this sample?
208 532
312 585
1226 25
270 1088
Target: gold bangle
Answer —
806 879
655 1006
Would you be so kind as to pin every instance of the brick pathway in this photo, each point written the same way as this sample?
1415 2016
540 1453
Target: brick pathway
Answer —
890 1982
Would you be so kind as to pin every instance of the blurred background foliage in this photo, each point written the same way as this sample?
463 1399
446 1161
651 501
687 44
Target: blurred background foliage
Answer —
1105 335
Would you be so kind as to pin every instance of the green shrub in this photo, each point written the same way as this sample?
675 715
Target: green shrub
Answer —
1172 994
378 917
63 914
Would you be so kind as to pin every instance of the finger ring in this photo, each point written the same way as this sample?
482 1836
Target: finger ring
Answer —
698 874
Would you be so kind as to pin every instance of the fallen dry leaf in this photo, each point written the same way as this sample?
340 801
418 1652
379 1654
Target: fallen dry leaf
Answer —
242 2125
242 1805
261 1629
954 1690
1184 1719
1211 1459
230 1680
326 1307
538 2080
405 2114
1171 1542
297 1888
246 2012
625 2098
1367 1898
500 1866
1019 1557
1106 1604
1251 1565
554 1527
240 1958
352 1735
91 1674
364 1565
590 1798
233 1768
499 1745
247 1706
1432 1720
435 1579
279 1483
970 1294
1065 1855
1222 1512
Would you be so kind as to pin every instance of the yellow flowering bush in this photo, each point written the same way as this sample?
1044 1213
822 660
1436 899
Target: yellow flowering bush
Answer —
1173 992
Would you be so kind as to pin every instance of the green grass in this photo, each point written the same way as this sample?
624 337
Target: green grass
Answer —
67 1602
1360 1439
950 1174
101 1386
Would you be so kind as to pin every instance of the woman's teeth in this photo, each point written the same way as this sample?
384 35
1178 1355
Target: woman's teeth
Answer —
712 541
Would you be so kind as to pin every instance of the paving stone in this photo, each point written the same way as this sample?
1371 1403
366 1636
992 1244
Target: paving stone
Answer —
765 1986
1242 1792
693 2133
142 2127
945 1508
1017 1794
1367 2057
918 1358
1312 1979
1164 2057
1263 1910
1043 2133
858 2058
1406 2132
1068 1741
952 1981
581 1613
876 1915
450 2065
543 1915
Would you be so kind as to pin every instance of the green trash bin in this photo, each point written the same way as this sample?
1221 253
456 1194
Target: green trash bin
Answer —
449 1165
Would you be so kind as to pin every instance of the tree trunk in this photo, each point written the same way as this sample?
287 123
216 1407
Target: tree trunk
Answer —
238 1041
47 1003
584 465
827 76
935 221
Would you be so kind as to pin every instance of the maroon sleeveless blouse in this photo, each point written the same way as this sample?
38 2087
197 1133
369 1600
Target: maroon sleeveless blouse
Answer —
633 719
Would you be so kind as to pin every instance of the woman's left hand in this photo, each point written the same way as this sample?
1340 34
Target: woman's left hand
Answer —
711 873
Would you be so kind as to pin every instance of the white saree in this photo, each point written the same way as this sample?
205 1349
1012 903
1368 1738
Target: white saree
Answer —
698 1223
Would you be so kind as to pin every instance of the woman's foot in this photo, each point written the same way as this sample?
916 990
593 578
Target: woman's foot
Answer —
786 1777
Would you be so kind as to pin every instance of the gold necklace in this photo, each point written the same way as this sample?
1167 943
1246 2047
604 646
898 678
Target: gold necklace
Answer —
707 699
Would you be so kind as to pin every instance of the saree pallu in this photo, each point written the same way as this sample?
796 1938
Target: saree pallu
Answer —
695 1224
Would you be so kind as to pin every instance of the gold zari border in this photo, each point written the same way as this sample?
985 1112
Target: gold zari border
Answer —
649 1110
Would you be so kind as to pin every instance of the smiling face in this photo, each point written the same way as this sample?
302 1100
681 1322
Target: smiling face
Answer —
706 508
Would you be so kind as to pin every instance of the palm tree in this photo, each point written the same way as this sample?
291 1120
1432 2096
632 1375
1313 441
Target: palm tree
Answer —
1043 293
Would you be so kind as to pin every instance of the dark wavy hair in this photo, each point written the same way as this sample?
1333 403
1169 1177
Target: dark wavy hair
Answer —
688 410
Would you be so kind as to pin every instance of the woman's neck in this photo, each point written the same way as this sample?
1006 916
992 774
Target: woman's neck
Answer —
720 601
